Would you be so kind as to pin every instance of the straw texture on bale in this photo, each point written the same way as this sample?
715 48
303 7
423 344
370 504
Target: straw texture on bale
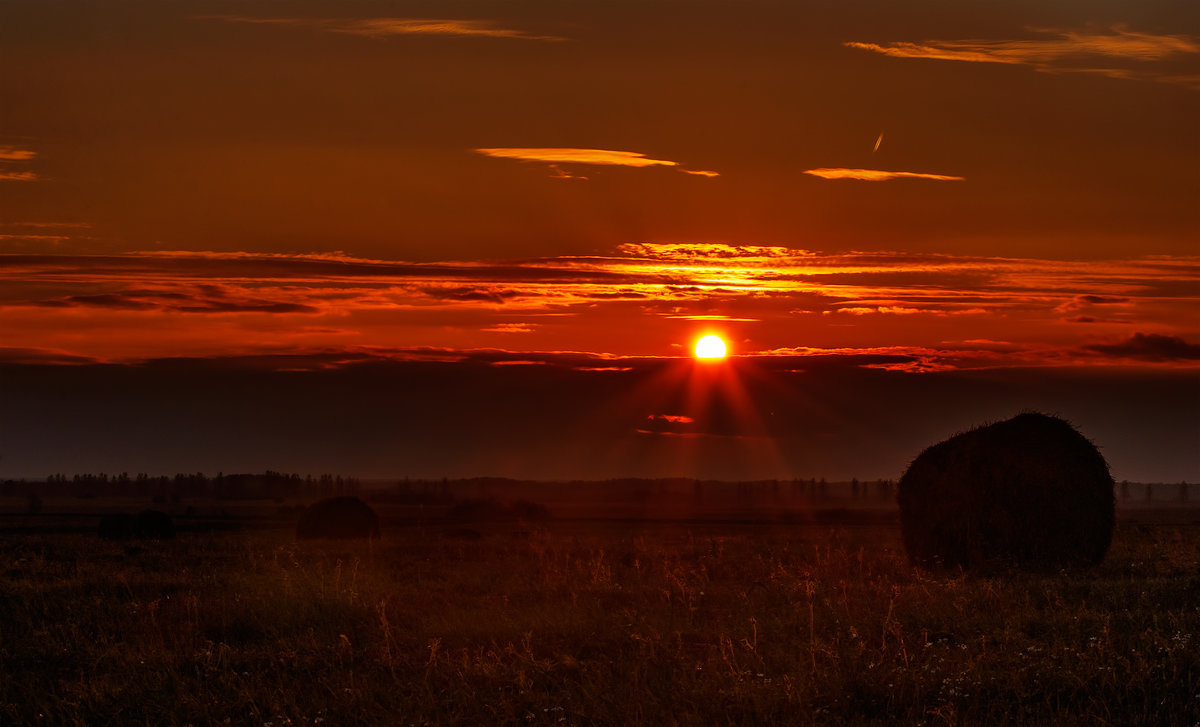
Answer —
1030 491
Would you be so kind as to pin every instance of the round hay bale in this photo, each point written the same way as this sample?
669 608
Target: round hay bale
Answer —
1030 491
338 517
116 526
154 525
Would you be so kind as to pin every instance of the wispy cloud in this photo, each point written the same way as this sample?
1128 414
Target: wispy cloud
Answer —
11 155
76 225
709 251
877 175
571 155
49 238
510 328
769 295
198 299
1064 51
41 356
388 27
901 310
15 236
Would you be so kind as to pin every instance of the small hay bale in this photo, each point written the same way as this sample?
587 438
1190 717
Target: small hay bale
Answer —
116 526
338 517
153 525
1030 491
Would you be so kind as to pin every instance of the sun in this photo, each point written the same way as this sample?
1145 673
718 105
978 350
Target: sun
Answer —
710 346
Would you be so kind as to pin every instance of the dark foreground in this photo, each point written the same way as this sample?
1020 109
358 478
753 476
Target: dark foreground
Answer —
602 624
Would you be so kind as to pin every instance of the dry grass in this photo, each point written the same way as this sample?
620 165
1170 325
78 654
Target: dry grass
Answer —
603 625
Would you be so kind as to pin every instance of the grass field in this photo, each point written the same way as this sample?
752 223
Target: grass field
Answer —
600 623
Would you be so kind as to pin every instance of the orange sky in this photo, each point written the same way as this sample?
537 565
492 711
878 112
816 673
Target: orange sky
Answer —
940 311
949 187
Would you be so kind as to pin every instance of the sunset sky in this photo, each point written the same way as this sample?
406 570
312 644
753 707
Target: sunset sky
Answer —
481 238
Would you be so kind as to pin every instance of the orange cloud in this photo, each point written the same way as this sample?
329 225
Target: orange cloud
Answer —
672 418
126 306
697 251
385 27
10 155
52 238
572 155
876 175
510 328
1065 51
13 154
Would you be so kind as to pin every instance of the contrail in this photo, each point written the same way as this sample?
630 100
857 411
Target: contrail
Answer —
878 141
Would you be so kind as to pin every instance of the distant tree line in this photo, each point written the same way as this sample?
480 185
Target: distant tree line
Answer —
280 485
267 485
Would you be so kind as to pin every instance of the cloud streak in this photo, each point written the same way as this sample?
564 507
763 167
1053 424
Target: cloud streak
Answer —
765 296
599 157
10 155
391 27
877 175
1063 51
202 299
13 154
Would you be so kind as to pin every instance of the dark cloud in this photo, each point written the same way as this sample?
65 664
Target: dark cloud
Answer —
243 307
218 265
1084 302
103 300
1100 299
40 356
1150 347
208 299
485 295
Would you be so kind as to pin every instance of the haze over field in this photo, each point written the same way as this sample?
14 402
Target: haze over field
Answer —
481 238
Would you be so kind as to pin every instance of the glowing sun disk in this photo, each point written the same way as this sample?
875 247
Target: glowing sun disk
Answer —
710 346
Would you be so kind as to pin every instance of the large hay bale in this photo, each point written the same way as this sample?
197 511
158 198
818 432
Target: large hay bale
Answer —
338 517
1030 491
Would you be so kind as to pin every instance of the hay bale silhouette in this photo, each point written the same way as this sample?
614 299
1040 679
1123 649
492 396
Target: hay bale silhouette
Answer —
1030 491
338 517
153 525
116 526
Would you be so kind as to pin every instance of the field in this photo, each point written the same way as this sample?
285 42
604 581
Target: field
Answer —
600 623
